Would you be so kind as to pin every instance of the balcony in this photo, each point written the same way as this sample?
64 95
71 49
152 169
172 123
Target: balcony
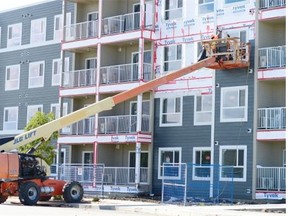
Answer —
124 73
272 57
266 4
79 78
272 118
81 31
271 178
121 124
83 127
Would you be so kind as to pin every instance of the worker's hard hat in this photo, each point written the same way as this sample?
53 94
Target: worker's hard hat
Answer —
214 36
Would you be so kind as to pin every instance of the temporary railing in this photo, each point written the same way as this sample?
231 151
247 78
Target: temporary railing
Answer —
272 118
121 124
80 31
79 78
263 4
272 57
271 178
83 127
123 73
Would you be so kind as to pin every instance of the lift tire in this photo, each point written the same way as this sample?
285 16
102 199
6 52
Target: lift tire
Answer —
45 198
3 198
73 192
29 193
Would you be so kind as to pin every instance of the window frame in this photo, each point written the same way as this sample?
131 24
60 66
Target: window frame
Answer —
14 41
40 77
168 149
202 112
167 11
32 110
17 80
177 59
244 167
35 36
245 107
180 113
205 4
236 2
57 33
56 78
200 149
16 114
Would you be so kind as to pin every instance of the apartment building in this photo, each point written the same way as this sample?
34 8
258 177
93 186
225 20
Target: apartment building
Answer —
30 63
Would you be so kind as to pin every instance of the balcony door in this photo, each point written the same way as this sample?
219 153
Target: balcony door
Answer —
135 60
90 72
145 115
92 27
148 14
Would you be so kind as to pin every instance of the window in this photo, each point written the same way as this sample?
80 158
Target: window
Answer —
233 1
55 108
202 163
56 72
38 30
143 159
233 163
10 118
168 155
173 9
206 6
58 27
12 79
32 110
171 111
172 57
203 109
284 158
36 74
14 35
234 104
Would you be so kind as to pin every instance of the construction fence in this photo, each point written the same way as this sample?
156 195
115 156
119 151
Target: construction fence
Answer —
188 184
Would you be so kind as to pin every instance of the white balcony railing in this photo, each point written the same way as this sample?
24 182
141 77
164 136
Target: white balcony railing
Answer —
272 57
88 174
79 78
272 118
80 31
124 73
264 4
271 178
83 127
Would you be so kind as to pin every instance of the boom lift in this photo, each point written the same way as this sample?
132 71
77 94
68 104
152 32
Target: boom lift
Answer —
22 175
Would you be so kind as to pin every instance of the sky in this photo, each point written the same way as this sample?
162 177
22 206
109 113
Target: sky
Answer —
11 4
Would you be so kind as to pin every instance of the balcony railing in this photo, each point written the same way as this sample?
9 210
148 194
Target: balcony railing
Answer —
80 31
272 57
264 4
88 174
121 124
79 78
83 127
121 23
124 73
272 118
271 178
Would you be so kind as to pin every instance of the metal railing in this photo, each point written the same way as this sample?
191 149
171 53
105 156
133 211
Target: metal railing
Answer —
272 57
264 4
272 118
83 127
80 31
124 73
87 174
79 78
121 124
271 178
121 23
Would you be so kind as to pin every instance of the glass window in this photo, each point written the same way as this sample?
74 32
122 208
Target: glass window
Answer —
14 35
233 1
10 118
56 72
172 57
168 155
36 74
201 163
234 104
32 110
203 110
38 30
206 6
58 27
233 163
173 9
12 77
171 111
143 159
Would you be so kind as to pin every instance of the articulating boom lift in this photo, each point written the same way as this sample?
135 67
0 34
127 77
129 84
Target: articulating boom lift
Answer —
22 175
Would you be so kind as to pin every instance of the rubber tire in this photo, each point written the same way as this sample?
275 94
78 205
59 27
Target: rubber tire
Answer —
3 198
73 192
45 198
29 193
